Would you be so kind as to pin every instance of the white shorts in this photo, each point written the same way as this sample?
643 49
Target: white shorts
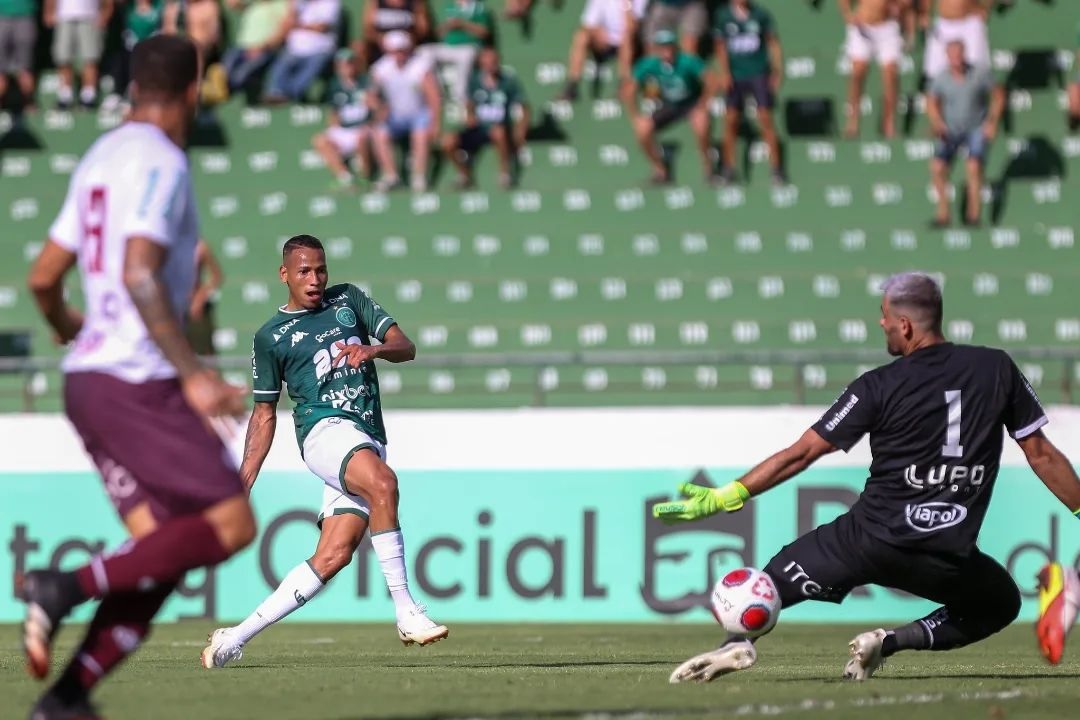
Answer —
610 16
970 30
881 42
327 451
346 140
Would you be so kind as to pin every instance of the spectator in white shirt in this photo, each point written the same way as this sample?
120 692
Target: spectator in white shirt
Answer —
607 31
78 28
410 105
310 40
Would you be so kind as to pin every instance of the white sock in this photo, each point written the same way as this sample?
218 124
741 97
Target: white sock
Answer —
390 549
64 94
300 585
87 94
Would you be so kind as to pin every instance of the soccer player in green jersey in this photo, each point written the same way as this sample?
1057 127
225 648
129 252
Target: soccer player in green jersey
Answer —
678 86
317 343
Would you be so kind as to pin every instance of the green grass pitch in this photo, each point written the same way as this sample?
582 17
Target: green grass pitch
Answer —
594 672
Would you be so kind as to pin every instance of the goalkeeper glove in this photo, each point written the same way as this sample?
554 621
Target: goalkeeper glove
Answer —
701 502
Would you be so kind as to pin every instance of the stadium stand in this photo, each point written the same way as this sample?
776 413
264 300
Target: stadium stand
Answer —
602 290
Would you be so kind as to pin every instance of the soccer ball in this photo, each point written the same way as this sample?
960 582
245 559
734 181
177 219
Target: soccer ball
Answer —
745 602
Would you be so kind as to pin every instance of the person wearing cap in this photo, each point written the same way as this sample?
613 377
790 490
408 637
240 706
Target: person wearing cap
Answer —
348 132
751 62
310 30
410 107
496 114
678 86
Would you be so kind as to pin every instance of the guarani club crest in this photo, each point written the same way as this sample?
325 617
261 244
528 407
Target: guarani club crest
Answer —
345 316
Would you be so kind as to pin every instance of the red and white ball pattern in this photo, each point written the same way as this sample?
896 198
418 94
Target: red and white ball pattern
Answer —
745 602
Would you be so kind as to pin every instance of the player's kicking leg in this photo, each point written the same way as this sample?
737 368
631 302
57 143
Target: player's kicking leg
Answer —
1059 600
339 537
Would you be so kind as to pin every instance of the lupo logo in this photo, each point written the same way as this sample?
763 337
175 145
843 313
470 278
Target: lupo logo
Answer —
934 516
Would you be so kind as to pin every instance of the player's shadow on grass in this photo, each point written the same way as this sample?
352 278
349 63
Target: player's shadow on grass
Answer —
584 663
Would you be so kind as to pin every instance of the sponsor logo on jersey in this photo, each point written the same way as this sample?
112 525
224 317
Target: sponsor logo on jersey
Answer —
343 399
345 316
333 300
297 337
328 334
281 331
934 516
842 413
945 474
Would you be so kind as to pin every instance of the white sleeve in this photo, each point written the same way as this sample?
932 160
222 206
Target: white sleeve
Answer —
639 7
323 12
162 182
66 230
593 13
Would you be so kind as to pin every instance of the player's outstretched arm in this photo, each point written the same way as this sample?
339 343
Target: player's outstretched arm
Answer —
1053 468
46 282
260 436
701 502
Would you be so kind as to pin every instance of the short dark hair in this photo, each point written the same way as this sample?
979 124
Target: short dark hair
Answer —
164 66
301 241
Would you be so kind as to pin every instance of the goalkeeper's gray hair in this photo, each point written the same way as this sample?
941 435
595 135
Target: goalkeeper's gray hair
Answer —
918 295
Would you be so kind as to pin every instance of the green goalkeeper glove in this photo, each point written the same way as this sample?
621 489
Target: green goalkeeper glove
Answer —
701 502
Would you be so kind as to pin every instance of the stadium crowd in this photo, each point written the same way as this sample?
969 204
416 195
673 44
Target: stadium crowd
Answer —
394 78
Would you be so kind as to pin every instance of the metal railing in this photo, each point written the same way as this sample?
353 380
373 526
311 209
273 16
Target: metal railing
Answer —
31 368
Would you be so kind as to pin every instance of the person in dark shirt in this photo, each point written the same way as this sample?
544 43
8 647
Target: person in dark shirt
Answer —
935 417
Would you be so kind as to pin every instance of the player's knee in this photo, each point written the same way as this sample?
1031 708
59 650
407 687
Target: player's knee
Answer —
245 528
384 487
1006 606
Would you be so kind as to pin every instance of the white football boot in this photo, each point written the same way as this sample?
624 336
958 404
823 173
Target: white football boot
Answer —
865 655
734 655
222 650
414 626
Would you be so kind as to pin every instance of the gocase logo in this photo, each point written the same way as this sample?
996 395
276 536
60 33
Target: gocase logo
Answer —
933 516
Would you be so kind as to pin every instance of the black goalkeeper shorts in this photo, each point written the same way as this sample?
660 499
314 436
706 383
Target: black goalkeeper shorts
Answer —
828 563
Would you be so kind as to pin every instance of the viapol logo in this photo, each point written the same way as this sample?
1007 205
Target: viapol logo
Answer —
934 516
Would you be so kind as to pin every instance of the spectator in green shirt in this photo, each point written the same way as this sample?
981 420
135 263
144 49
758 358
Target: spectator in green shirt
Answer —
494 98
142 18
18 33
751 64
257 39
349 130
676 85
464 27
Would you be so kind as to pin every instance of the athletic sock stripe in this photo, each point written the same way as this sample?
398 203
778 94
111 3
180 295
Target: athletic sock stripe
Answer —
929 633
91 664
97 567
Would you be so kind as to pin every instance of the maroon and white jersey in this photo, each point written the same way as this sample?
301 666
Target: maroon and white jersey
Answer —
132 182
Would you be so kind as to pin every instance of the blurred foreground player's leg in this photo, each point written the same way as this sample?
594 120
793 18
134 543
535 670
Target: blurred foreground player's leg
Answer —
149 414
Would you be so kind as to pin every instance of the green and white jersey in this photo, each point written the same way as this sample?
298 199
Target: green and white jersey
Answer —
299 347
746 40
350 101
493 102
